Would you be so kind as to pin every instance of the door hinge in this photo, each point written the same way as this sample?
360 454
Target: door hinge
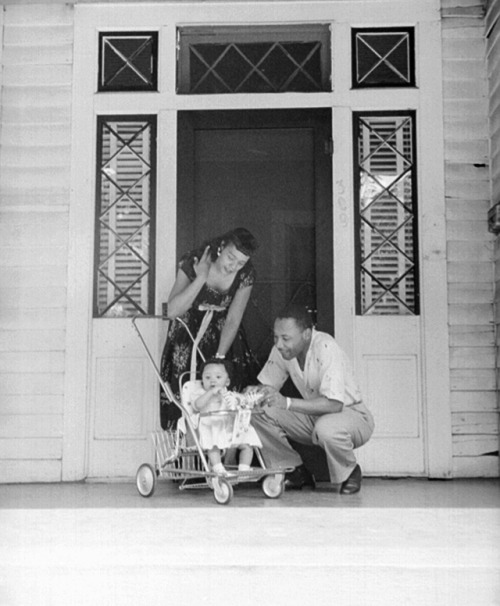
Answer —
328 147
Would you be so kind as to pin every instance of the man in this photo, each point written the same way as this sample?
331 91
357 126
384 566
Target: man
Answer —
330 413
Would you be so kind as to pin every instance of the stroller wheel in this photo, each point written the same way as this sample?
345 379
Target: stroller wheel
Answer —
145 480
273 485
223 491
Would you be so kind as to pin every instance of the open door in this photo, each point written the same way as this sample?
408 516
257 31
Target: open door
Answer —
271 172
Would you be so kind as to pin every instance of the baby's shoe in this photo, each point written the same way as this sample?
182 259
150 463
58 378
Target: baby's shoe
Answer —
219 469
243 467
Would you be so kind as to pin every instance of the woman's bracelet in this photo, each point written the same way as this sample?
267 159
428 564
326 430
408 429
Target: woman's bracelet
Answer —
219 356
288 403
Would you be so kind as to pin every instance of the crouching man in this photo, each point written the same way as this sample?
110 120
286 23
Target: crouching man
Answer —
330 413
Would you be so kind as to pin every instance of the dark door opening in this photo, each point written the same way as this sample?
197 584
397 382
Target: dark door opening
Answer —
271 172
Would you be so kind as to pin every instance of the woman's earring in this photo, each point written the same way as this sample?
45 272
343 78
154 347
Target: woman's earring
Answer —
218 252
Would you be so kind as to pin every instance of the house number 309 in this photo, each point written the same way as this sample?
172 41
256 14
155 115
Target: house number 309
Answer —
342 203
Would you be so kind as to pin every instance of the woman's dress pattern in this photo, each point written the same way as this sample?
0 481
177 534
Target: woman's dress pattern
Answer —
176 357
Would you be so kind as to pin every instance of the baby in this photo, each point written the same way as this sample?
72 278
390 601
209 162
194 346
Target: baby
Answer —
218 432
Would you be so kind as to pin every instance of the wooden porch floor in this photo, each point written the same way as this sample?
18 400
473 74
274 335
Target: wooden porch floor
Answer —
397 542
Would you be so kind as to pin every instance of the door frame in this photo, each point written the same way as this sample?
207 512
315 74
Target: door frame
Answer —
426 99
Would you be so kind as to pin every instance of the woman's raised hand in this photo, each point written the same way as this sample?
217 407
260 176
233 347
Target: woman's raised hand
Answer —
202 266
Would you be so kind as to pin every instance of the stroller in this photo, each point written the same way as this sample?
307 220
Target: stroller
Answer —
180 457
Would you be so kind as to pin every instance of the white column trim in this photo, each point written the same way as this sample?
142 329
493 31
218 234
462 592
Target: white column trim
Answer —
433 267
80 258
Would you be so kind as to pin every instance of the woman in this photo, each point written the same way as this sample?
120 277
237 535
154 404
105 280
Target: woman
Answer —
206 304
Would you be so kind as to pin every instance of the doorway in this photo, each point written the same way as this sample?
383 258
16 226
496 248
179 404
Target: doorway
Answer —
271 172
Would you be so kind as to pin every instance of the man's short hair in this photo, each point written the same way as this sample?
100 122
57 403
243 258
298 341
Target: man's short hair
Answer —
302 315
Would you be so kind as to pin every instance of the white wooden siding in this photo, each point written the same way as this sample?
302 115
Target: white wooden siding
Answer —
493 62
470 248
492 31
34 197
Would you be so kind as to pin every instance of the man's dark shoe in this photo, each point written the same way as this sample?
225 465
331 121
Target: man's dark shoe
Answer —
353 483
298 478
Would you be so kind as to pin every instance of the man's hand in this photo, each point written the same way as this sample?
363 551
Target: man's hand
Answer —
272 397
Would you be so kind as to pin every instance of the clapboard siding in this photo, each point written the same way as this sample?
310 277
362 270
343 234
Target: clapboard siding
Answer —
492 30
470 248
493 56
472 401
35 145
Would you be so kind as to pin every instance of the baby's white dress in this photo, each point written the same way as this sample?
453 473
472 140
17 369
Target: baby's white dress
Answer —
217 430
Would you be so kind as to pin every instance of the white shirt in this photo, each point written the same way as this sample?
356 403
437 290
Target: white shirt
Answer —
327 371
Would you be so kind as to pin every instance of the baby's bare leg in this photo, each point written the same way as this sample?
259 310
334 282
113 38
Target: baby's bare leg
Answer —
246 455
214 456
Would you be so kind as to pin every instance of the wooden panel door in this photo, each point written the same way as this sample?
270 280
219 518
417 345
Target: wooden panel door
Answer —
268 171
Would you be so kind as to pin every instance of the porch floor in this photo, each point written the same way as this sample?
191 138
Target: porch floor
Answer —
402 541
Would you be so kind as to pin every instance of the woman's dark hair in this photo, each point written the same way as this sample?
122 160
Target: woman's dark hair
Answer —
244 241
220 362
302 315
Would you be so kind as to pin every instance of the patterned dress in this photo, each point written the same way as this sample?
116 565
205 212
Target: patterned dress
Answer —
176 357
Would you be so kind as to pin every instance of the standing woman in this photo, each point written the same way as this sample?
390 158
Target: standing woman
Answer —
209 297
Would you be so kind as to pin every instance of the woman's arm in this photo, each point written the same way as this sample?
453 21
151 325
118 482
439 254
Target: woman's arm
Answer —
185 291
233 319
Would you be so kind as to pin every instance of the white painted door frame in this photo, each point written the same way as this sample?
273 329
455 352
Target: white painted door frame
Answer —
89 19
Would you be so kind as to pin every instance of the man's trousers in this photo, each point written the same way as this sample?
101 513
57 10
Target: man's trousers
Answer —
338 434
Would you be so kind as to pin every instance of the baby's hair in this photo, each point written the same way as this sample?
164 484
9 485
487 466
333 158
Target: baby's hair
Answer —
219 362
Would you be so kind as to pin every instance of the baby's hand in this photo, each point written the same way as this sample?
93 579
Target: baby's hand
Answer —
254 391
256 398
230 399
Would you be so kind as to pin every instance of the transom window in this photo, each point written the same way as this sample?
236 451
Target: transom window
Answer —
383 57
386 213
124 259
128 61
220 60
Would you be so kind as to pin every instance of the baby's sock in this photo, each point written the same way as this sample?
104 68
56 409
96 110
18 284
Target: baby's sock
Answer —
220 469
243 467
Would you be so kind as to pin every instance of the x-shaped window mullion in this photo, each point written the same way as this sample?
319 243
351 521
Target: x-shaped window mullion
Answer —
128 60
125 193
210 68
124 242
384 141
383 59
255 68
300 67
387 239
127 144
388 290
123 293
386 189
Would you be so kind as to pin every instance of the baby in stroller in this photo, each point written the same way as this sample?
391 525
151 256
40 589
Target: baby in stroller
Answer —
219 432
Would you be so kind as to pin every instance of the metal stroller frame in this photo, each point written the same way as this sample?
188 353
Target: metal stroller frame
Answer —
176 458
